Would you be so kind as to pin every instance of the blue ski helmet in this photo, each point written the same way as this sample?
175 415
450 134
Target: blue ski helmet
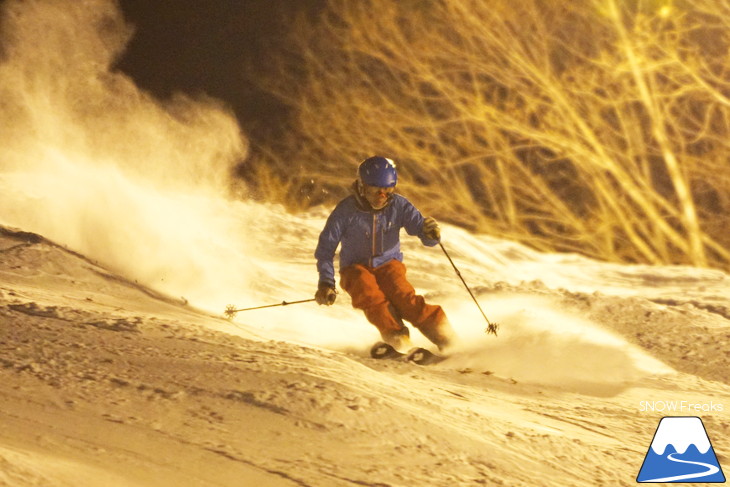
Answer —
378 171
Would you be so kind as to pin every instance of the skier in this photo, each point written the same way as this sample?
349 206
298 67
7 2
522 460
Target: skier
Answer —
367 224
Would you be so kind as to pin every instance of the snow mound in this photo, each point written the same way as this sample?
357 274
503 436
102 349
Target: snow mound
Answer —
539 341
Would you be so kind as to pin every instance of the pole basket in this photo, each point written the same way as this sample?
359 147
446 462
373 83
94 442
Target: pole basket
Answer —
230 311
492 329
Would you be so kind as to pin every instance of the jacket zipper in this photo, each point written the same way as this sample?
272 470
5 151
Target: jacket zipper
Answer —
375 228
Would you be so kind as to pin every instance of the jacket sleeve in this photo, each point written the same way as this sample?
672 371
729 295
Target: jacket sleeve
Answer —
329 240
413 223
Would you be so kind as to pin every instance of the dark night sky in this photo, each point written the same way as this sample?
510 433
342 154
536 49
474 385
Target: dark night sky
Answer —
198 46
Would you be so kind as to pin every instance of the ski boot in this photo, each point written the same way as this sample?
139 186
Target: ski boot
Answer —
442 335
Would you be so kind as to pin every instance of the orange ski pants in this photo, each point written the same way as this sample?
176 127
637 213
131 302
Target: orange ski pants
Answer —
375 290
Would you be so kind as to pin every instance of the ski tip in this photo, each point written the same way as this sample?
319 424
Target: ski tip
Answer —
383 350
423 356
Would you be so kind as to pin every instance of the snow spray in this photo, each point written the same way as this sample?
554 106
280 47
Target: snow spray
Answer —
92 162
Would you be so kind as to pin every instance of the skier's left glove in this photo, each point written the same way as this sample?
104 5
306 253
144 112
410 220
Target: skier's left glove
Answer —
326 294
431 229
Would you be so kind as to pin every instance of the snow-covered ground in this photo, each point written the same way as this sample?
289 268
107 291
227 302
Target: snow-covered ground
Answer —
108 383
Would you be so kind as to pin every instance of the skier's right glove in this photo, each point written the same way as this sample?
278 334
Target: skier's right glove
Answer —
326 294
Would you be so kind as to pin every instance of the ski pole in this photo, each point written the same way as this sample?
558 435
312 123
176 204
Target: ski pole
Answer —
231 310
492 327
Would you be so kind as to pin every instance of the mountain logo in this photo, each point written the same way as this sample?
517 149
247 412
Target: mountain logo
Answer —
681 452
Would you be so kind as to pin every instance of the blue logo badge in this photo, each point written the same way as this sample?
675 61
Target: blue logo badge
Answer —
681 452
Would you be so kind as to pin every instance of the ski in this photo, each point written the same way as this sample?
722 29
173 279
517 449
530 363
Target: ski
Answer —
418 355
423 356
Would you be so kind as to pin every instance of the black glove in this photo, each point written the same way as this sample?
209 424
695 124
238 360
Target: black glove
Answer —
431 229
326 294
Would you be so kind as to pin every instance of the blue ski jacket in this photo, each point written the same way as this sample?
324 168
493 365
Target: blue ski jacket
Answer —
369 237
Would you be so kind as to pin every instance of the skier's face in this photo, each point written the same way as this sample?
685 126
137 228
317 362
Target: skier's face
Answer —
377 197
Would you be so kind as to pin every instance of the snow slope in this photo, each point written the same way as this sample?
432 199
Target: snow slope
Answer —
106 382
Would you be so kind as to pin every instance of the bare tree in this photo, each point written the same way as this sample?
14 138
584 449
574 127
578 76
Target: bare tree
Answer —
597 126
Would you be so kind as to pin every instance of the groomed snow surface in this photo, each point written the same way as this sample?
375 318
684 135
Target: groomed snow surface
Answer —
105 382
